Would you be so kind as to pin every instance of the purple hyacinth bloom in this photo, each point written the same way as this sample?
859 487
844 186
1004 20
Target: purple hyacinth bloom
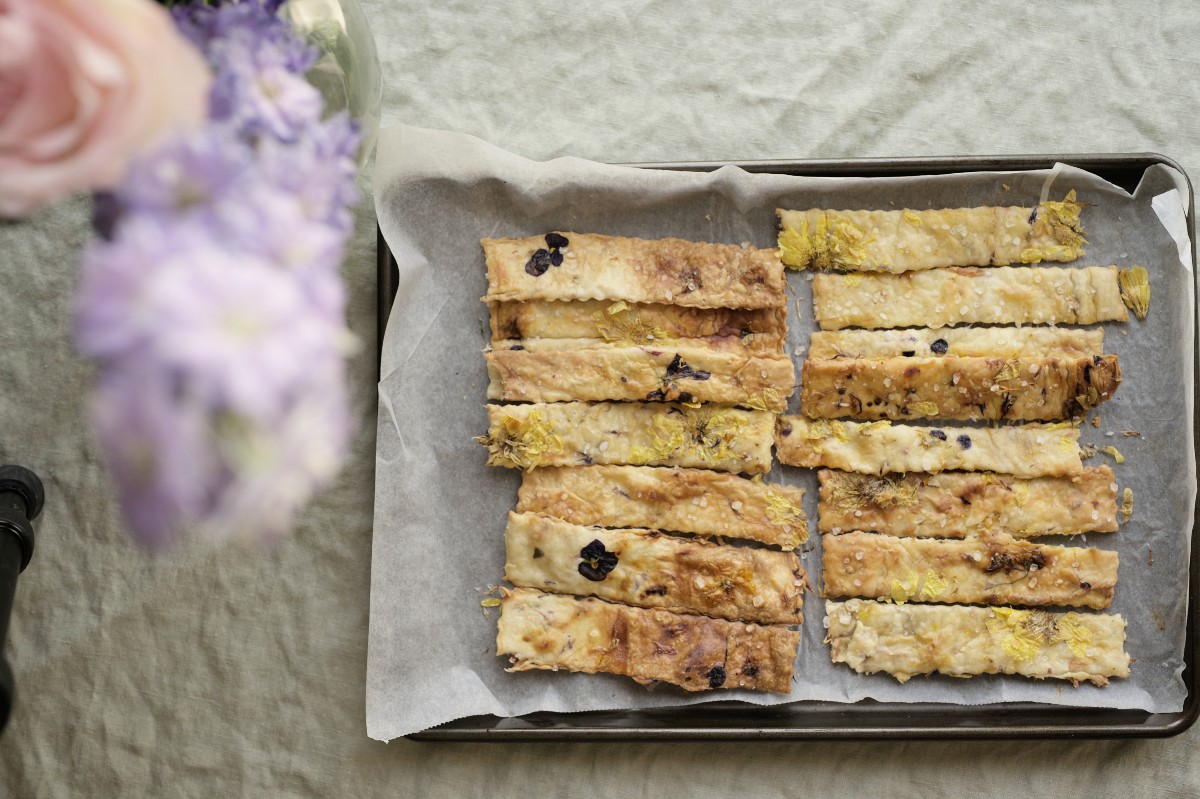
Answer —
276 226
241 329
115 277
197 171
157 443
257 93
319 170
276 469
208 26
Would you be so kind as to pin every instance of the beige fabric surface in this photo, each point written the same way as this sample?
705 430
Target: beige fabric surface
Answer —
225 672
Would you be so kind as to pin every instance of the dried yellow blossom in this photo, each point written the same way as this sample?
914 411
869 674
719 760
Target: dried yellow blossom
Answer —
925 408
1126 511
850 491
935 585
523 443
1011 370
766 400
1135 290
622 324
823 247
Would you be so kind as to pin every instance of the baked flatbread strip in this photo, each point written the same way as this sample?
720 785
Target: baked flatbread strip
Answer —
963 641
648 569
951 387
672 371
696 501
631 323
899 241
958 504
996 571
762 345
555 631
969 295
1030 450
634 433
671 271
984 342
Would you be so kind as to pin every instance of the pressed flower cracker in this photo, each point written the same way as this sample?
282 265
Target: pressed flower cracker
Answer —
969 295
697 501
953 387
688 372
997 570
900 241
537 630
961 504
1032 450
649 569
587 266
984 342
906 640
639 434
630 323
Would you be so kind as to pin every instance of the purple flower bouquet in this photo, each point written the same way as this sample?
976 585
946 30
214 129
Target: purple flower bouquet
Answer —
212 299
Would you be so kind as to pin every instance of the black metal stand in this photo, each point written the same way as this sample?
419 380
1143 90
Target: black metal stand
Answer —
21 499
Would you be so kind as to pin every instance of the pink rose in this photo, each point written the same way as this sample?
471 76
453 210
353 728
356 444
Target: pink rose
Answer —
84 85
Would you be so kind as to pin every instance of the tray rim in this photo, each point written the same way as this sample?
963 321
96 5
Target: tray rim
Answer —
1066 723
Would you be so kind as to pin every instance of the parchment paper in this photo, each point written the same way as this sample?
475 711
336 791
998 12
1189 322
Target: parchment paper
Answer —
440 512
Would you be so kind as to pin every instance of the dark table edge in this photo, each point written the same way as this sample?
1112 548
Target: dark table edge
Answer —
1141 725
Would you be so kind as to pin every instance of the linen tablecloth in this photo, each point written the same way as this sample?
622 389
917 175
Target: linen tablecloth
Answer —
223 671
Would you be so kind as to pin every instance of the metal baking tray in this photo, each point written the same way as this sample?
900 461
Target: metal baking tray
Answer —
868 719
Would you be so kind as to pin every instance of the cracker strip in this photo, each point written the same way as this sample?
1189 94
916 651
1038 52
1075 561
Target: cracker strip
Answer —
984 342
631 323
1004 295
1031 450
696 501
639 434
995 571
554 631
652 570
899 241
670 271
963 388
958 504
646 373
962 641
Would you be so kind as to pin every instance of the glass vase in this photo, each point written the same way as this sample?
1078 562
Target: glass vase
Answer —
347 73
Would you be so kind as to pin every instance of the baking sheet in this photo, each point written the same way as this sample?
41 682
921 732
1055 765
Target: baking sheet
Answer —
440 512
